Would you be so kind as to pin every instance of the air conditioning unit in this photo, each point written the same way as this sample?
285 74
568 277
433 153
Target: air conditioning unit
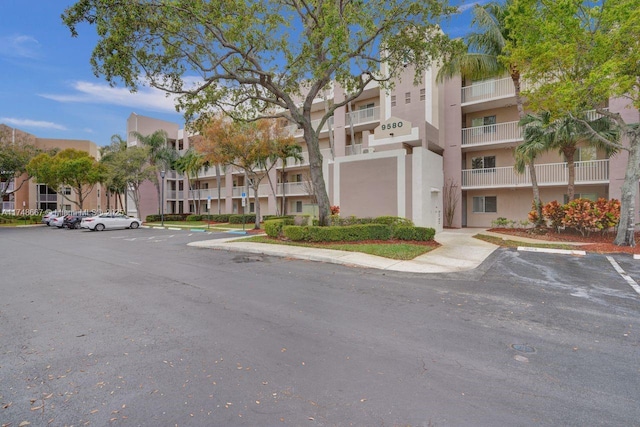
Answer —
368 150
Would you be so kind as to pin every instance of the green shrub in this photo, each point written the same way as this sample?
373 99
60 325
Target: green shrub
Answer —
404 232
270 217
273 227
424 234
194 218
295 232
152 218
239 219
351 233
216 217
392 221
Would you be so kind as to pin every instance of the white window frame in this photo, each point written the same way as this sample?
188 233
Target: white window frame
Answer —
482 200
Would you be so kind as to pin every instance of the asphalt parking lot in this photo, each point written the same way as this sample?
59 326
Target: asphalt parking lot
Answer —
133 327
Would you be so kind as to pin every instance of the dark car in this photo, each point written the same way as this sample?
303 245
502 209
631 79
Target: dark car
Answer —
73 221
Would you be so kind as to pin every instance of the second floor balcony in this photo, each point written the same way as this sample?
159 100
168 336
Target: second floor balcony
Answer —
488 135
550 174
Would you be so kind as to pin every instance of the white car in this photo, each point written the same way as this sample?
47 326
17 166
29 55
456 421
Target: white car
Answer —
109 221
57 221
51 215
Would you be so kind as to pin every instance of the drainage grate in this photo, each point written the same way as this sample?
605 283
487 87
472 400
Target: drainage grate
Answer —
523 348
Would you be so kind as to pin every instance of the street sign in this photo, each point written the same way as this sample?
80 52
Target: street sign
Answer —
244 195
244 202
209 203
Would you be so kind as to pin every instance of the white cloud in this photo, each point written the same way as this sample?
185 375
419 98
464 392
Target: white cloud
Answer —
31 123
464 7
19 45
91 93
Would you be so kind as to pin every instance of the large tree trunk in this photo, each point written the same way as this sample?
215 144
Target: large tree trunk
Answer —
626 227
315 165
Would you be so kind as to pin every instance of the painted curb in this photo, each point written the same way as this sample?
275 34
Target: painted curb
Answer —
551 251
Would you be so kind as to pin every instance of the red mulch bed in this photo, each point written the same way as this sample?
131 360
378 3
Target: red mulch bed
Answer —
598 243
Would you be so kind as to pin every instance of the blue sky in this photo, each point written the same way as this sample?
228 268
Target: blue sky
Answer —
47 87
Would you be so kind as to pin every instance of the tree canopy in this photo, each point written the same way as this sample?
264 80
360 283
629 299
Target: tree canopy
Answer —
15 154
263 58
577 55
72 168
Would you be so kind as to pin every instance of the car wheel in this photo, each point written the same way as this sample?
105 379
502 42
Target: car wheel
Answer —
134 225
99 227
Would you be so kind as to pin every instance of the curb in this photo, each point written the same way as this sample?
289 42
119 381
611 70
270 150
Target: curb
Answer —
552 251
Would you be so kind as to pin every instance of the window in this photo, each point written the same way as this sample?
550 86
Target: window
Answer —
407 98
485 204
67 191
485 124
252 207
180 185
585 154
299 206
66 208
393 100
423 94
205 185
486 162
297 178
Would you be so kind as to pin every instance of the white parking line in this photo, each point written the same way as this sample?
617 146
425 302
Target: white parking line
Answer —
624 275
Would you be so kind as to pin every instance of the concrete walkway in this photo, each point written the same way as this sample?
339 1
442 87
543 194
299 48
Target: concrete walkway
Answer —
459 252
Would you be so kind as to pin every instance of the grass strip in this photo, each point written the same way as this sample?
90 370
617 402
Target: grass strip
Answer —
400 251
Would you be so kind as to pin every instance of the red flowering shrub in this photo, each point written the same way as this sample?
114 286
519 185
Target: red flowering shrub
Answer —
554 213
335 210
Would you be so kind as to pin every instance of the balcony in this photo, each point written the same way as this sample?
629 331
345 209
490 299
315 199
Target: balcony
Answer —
352 150
205 193
9 188
8 207
175 195
293 129
550 174
489 135
366 115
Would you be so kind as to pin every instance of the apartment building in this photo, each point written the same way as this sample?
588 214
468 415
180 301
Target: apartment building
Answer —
382 155
416 151
481 133
37 197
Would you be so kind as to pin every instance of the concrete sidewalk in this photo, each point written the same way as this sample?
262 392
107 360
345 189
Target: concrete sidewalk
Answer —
459 252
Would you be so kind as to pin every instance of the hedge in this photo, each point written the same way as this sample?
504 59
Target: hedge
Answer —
239 219
296 232
167 217
273 227
407 232
350 233
194 218
216 217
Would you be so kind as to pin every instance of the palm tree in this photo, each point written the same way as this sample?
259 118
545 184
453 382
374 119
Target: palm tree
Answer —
114 183
484 58
190 163
565 135
161 157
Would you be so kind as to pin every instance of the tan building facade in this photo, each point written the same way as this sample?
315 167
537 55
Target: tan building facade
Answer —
440 154
33 197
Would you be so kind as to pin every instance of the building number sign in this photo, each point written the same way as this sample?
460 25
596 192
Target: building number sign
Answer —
389 126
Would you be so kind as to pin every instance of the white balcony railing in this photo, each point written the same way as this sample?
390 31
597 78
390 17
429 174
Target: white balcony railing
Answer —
352 150
8 207
489 89
366 115
9 187
589 172
205 193
491 134
293 129
175 195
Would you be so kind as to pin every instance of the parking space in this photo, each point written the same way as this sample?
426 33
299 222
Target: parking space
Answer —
608 280
143 235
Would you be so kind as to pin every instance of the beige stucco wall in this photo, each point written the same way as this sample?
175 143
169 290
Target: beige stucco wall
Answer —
366 191
515 204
